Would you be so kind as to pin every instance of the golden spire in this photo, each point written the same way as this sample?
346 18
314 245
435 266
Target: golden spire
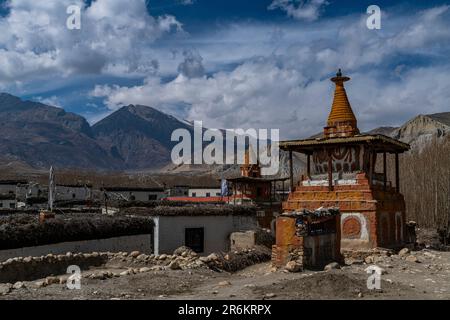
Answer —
341 121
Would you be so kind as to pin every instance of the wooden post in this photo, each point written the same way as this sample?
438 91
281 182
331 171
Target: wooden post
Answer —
291 171
308 166
330 171
384 171
397 173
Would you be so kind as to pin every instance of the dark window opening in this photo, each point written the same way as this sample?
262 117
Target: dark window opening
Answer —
208 194
194 239
194 194
152 197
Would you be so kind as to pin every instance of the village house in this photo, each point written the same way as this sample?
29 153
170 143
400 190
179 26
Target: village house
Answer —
341 172
204 191
203 228
73 192
8 201
10 186
136 193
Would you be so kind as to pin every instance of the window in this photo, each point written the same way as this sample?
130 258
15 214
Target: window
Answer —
73 195
208 194
218 194
1 204
194 194
152 197
12 205
194 239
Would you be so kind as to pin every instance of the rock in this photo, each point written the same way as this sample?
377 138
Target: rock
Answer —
270 295
141 257
403 252
412 258
157 268
224 283
27 259
162 257
227 257
293 266
144 269
183 251
332 266
124 273
40 284
360 295
99 275
351 261
18 285
5 288
134 254
63 279
250 285
51 280
174 265
369 259
212 257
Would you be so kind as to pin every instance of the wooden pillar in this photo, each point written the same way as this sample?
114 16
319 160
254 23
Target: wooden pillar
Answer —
384 171
308 166
330 171
291 171
397 173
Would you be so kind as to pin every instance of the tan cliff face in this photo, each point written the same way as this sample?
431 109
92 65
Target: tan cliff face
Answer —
422 129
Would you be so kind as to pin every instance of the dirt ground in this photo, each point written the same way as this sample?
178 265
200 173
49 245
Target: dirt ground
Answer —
426 278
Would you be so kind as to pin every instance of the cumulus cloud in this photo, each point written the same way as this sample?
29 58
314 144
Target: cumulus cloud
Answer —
113 38
290 89
308 10
192 66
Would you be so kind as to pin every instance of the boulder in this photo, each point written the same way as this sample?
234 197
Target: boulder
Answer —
293 266
412 258
18 285
332 266
5 288
134 254
403 252
144 269
174 265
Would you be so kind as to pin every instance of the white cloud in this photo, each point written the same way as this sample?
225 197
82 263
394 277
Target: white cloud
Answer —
308 10
113 39
288 88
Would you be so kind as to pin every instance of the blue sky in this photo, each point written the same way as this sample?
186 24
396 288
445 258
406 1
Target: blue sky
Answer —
257 63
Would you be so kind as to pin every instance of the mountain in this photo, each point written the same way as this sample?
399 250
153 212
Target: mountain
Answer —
39 136
35 136
138 136
420 130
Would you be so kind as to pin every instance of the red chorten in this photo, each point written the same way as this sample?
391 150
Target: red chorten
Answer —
342 175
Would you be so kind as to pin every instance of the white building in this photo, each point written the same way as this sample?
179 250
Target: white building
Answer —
8 201
204 192
204 231
73 192
135 193
10 186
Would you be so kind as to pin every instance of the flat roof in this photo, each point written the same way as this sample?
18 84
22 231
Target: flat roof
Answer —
379 142
154 189
254 179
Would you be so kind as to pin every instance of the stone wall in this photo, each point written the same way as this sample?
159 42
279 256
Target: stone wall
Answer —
142 243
